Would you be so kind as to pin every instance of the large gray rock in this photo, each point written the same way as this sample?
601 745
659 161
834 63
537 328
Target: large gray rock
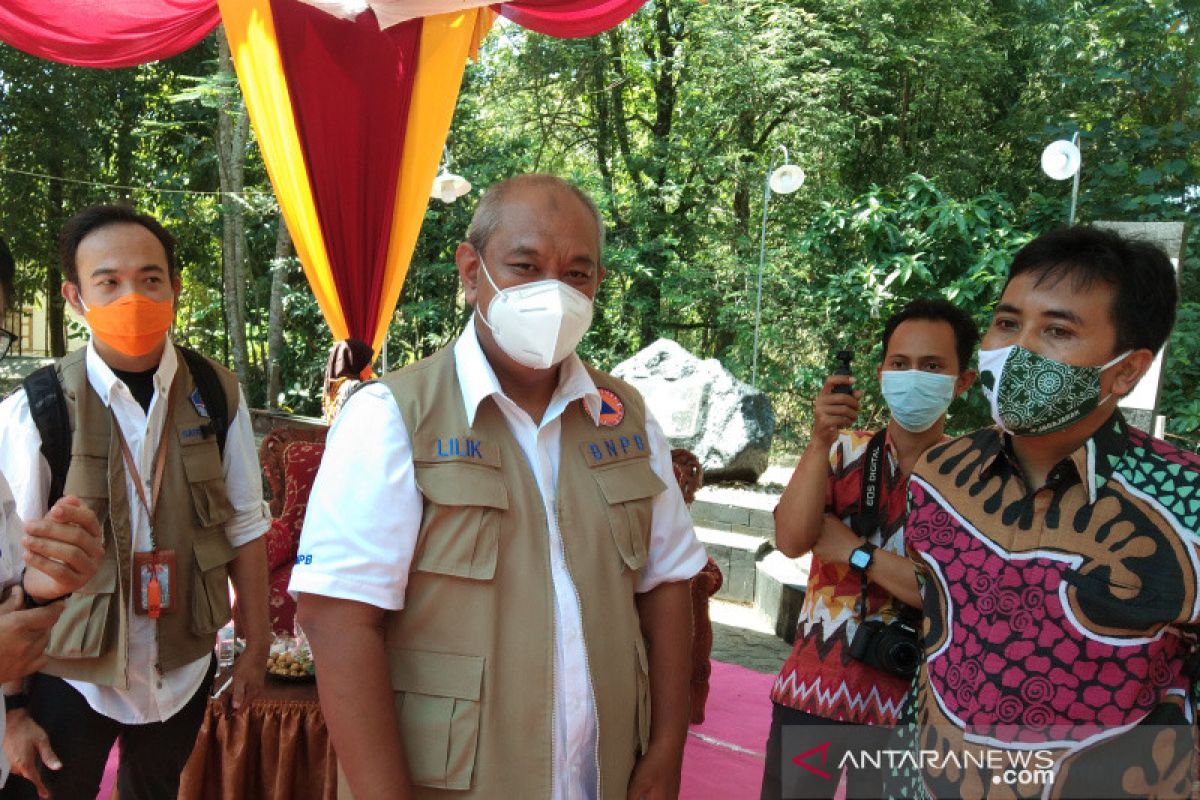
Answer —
703 408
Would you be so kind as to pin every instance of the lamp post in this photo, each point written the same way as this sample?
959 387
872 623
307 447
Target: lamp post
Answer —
784 179
1062 160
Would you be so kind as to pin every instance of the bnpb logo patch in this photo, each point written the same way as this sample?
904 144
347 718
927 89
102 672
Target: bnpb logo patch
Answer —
612 410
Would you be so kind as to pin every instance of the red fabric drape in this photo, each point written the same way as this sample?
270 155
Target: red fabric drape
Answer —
106 33
351 85
569 19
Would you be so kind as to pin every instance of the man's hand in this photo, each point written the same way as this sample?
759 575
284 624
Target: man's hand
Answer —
832 412
27 746
62 550
249 672
656 776
836 543
23 635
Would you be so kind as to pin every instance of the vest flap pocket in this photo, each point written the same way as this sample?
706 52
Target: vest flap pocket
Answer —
203 464
83 629
212 550
460 523
459 485
105 579
94 445
206 480
441 674
630 488
629 480
210 582
437 704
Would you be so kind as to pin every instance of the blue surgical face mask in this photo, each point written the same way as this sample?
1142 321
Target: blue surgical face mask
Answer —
916 398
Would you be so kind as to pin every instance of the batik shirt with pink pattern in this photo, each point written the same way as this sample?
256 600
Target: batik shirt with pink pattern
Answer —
1054 618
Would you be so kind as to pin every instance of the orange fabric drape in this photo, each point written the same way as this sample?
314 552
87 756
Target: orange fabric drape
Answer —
447 41
251 32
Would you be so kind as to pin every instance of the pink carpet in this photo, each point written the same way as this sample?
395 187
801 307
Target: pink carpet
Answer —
109 782
723 759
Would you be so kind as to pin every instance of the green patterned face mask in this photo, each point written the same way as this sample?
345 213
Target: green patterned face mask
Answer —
1032 395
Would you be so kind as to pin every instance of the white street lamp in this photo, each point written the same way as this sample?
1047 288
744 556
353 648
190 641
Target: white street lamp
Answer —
784 179
1062 160
447 186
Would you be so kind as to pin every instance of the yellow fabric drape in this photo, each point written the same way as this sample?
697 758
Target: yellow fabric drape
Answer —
250 30
447 40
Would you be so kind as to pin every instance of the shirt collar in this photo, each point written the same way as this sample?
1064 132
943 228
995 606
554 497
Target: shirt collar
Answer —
1093 461
478 380
105 382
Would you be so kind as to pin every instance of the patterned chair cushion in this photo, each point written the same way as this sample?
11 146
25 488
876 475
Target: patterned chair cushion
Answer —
290 461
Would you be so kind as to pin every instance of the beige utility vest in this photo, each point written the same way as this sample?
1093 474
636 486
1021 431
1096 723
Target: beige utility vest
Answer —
90 641
472 652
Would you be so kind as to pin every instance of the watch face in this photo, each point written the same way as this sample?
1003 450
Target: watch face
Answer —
859 559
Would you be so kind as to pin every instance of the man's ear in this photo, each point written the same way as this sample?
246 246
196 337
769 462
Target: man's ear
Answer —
466 258
70 293
966 379
1127 374
176 287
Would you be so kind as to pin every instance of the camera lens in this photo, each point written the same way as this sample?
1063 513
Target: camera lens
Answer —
902 658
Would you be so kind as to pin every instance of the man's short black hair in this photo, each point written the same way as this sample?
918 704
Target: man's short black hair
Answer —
1145 291
101 216
8 275
966 334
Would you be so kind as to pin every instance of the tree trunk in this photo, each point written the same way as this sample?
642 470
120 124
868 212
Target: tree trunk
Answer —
56 306
279 269
232 137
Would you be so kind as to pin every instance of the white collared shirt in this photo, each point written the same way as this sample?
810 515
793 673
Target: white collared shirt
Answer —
11 531
360 535
150 697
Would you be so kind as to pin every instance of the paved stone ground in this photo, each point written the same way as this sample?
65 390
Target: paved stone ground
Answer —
761 652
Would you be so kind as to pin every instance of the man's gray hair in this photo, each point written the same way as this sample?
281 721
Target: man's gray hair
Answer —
486 218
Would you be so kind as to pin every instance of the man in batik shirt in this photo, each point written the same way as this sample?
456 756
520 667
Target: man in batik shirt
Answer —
1060 548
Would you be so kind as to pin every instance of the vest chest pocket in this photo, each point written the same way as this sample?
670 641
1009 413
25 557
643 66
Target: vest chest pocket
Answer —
460 524
206 480
211 553
84 628
630 488
437 704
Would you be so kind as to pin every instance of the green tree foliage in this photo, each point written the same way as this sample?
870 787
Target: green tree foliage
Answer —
919 126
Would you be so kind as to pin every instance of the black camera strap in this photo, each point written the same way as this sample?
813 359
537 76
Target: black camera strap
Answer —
866 523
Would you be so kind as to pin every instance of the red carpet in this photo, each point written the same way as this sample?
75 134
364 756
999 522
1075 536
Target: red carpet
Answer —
723 759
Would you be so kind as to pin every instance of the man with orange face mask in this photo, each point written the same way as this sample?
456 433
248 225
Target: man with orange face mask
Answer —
142 439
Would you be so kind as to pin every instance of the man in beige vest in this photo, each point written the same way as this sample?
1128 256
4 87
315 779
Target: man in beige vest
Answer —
181 504
493 569
61 553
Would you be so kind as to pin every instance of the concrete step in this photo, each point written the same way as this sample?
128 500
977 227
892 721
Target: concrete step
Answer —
736 554
735 510
779 586
758 577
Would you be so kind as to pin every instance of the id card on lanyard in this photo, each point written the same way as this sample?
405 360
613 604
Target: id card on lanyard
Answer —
154 571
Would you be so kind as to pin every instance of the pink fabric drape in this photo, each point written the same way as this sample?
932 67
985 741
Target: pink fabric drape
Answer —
569 19
106 33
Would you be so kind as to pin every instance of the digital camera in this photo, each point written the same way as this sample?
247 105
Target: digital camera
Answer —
892 647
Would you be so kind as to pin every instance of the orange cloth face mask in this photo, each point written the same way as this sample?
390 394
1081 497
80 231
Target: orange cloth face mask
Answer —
133 325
